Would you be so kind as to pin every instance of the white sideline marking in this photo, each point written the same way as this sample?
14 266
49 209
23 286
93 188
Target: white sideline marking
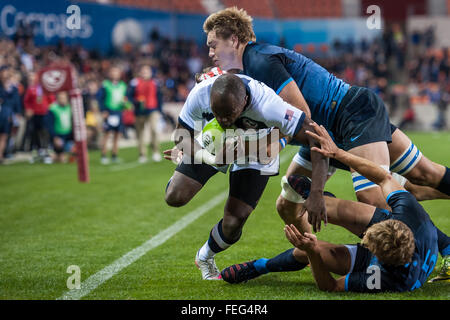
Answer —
94 281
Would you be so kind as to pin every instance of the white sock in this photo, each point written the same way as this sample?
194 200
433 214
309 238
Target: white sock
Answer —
206 252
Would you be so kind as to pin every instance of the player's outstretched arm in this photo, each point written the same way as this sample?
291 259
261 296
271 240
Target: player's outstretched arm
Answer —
315 204
308 243
365 167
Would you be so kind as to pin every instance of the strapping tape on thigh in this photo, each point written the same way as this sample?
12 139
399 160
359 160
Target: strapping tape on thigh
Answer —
289 193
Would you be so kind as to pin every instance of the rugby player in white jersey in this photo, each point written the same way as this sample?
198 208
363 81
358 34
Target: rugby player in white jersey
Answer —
259 108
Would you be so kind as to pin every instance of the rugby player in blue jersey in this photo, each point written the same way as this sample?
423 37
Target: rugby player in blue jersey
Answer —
355 117
398 250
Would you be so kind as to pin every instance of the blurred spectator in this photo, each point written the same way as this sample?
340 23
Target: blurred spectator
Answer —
144 93
36 104
112 101
10 107
443 102
409 116
60 126
92 114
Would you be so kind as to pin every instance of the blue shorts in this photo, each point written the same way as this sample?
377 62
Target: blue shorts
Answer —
362 118
40 121
67 143
305 153
5 122
113 122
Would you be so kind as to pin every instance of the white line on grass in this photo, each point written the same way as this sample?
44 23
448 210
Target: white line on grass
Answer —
106 273
94 281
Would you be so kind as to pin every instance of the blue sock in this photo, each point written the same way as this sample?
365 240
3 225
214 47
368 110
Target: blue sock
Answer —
444 185
284 262
217 240
443 243
260 265
446 251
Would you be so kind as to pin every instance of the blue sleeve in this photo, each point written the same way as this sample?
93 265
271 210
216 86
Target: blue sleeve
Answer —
101 99
17 103
364 282
131 94
159 97
51 124
271 70
407 209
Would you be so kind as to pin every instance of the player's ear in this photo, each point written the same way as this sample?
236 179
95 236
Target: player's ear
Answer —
235 41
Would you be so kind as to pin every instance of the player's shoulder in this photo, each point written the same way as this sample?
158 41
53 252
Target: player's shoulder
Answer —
263 49
407 209
401 196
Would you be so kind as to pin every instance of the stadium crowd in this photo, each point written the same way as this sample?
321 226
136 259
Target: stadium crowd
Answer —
27 112
403 69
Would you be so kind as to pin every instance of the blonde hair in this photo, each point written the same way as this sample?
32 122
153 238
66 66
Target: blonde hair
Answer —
231 21
391 241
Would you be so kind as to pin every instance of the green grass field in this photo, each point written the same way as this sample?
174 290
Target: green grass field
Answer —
49 221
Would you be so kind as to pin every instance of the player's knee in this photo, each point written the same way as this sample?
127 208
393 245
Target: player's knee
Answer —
176 198
285 210
281 207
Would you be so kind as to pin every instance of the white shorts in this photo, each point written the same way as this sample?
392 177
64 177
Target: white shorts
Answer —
352 249
302 162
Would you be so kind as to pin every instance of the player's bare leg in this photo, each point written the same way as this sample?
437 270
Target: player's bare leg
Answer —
337 259
351 215
181 189
235 215
377 152
418 169
289 211
354 216
424 193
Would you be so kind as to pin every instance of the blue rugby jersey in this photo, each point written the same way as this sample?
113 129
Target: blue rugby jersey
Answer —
276 67
413 275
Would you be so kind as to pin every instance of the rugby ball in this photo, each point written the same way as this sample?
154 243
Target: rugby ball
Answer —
212 136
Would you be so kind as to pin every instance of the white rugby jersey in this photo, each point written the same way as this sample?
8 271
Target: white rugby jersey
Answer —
264 111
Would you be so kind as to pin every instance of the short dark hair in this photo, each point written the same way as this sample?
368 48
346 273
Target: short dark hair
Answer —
225 92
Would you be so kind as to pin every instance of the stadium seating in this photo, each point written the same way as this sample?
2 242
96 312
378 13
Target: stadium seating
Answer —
255 8
308 8
187 6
